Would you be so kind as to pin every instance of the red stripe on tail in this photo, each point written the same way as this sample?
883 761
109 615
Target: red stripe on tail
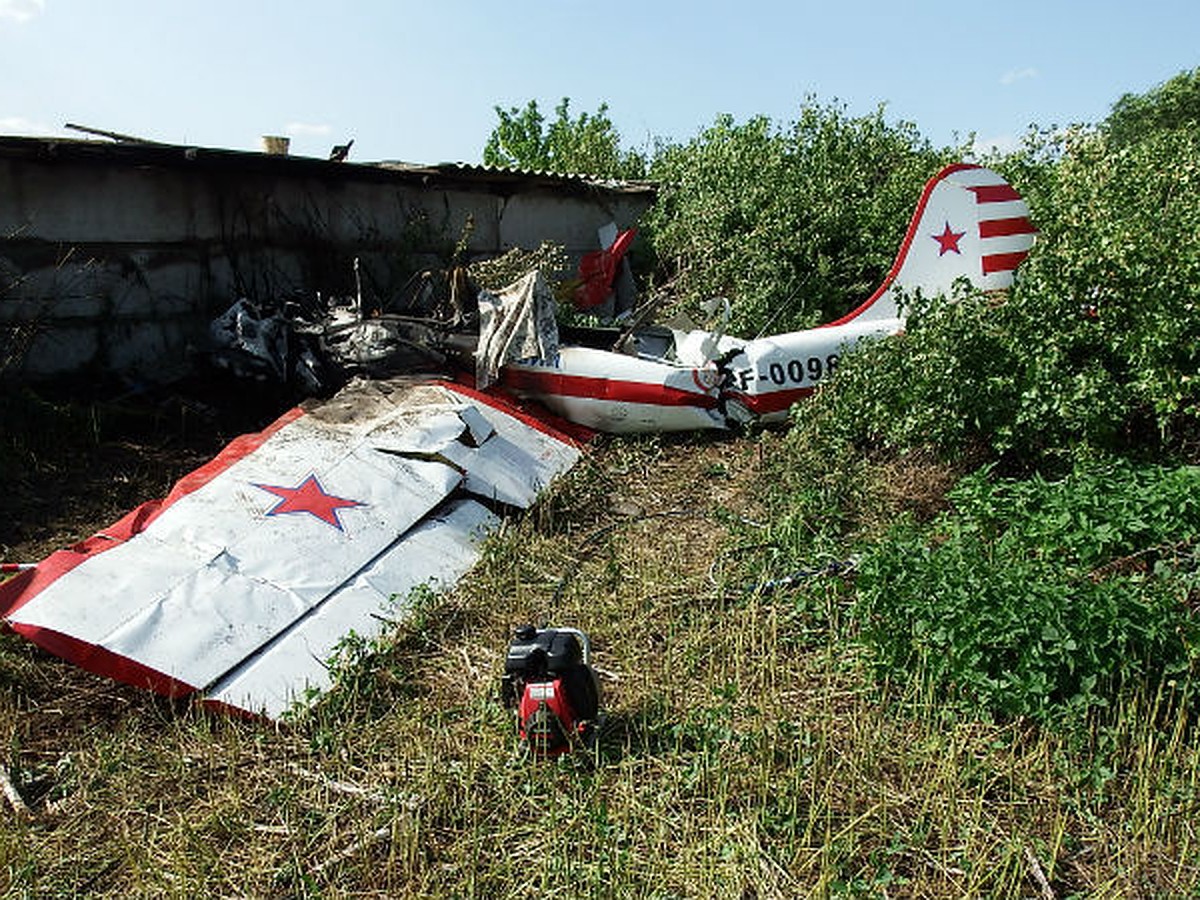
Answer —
995 193
1005 227
1002 262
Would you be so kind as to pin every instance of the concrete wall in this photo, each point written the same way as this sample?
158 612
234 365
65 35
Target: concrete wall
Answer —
116 256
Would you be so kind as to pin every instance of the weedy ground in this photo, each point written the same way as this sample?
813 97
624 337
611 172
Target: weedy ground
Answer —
745 752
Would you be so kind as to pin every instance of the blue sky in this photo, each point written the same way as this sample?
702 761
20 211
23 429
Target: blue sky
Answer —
418 81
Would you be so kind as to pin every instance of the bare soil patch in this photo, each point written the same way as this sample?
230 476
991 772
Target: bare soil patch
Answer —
75 457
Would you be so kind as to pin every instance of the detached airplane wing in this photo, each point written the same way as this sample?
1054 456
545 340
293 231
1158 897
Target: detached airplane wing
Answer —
244 580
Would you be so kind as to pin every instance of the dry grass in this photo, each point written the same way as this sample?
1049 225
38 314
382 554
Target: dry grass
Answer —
744 753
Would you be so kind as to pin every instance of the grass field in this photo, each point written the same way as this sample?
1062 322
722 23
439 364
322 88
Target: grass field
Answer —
745 753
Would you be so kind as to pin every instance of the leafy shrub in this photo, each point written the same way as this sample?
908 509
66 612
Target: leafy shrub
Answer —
587 144
794 224
1111 298
950 382
1040 599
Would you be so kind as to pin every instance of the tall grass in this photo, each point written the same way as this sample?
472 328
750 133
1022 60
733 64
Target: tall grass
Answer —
746 751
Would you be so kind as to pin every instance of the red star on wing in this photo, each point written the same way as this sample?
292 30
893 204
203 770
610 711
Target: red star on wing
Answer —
948 240
308 497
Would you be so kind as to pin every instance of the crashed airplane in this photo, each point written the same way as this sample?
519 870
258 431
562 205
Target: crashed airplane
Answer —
241 584
969 223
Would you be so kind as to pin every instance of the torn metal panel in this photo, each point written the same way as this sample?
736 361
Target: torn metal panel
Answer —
249 343
501 457
297 534
295 665
204 584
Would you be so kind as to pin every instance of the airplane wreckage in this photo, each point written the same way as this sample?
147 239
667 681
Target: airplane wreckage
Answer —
239 586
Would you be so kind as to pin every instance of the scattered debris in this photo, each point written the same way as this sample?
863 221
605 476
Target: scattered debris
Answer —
387 487
13 796
644 379
600 289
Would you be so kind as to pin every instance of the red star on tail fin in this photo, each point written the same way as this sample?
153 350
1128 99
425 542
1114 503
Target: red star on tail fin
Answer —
949 240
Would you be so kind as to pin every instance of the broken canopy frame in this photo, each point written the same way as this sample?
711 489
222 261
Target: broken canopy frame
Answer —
241 584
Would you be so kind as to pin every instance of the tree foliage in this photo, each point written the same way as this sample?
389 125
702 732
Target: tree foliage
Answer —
587 144
794 224
1175 104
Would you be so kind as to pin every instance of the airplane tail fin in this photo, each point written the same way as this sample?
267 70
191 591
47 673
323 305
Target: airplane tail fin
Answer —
969 222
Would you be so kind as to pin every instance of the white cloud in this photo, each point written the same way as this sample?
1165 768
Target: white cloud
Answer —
304 129
21 10
1001 143
19 125
1012 76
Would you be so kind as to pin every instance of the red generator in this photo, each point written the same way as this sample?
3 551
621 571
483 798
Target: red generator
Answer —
549 681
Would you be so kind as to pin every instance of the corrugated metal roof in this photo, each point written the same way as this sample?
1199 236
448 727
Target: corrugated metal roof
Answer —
134 153
628 186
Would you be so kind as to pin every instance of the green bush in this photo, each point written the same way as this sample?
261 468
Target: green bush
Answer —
1111 298
1040 599
587 144
950 382
797 224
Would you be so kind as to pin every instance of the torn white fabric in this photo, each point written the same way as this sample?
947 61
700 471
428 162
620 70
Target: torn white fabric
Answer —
516 324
